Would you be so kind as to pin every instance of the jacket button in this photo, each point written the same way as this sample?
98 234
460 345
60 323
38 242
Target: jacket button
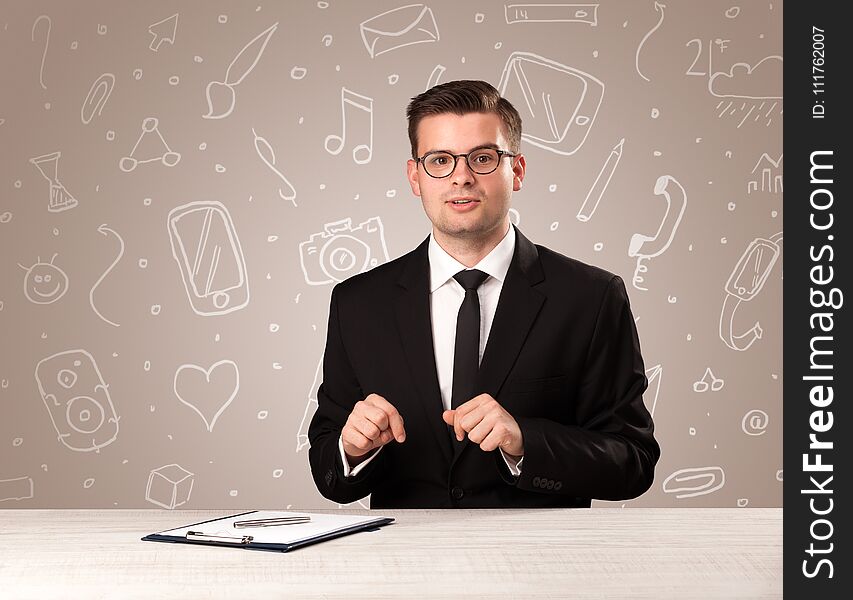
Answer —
535 482
457 493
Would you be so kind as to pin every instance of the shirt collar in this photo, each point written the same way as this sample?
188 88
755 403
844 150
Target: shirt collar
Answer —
442 266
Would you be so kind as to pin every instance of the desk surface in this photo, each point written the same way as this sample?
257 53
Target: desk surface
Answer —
552 553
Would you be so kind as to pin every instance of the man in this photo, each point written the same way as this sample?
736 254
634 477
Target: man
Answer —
479 370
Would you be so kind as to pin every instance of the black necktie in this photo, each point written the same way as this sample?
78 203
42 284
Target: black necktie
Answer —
466 356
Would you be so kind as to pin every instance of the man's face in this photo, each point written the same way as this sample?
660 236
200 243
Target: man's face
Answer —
487 215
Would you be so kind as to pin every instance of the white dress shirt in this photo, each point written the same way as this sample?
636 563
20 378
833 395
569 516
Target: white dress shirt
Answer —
446 295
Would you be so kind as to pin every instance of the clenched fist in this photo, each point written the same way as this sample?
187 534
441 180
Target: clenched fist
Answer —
372 423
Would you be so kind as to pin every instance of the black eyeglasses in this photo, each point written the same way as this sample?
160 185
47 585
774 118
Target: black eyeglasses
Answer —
482 161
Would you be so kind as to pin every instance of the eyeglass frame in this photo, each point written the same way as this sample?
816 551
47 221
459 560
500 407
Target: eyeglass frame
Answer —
501 154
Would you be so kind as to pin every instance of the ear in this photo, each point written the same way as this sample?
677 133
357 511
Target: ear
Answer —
412 176
518 170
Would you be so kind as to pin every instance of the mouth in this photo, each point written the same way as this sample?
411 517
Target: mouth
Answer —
49 293
462 201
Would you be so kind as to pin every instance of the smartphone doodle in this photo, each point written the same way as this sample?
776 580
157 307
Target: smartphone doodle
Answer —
208 253
557 103
77 400
645 247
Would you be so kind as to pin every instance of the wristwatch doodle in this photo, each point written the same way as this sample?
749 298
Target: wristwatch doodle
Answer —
744 284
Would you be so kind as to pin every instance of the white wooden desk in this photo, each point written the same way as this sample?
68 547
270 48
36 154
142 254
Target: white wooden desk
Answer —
551 553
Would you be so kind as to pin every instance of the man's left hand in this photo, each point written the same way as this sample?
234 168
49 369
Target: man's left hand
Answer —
487 424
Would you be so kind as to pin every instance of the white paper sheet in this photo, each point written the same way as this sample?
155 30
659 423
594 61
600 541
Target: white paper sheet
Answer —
319 525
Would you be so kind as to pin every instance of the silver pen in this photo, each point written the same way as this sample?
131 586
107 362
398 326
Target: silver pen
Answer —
272 522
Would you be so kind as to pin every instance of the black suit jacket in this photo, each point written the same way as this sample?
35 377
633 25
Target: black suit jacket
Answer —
563 358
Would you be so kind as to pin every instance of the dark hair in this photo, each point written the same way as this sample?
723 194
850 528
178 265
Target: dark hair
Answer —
462 97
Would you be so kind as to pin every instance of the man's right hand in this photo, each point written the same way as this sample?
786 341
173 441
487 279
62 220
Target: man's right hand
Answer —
372 423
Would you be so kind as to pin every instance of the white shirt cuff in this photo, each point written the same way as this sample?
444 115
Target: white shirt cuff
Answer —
348 472
514 467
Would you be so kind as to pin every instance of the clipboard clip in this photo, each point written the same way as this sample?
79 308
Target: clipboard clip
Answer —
198 536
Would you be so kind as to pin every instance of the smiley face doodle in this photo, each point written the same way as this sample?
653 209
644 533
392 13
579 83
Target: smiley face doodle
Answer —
44 282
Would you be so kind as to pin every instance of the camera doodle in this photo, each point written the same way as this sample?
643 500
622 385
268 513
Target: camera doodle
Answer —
341 251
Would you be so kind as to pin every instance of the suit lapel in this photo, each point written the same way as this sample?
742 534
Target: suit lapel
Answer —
518 305
414 324
517 308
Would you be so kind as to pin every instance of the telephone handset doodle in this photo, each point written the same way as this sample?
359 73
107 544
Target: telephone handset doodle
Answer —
645 247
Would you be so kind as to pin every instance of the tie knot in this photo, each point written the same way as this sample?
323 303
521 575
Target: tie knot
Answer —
470 279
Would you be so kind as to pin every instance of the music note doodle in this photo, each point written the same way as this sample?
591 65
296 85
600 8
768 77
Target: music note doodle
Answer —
352 103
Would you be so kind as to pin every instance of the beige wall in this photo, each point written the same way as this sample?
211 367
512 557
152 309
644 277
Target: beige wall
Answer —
128 381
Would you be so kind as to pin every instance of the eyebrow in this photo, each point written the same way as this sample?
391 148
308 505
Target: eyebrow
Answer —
480 147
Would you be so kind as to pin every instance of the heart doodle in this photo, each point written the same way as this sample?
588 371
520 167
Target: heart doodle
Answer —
208 392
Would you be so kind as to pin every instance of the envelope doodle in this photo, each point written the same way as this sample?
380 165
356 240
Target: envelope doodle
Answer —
403 26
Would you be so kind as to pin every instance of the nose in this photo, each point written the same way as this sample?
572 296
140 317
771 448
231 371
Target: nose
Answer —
462 174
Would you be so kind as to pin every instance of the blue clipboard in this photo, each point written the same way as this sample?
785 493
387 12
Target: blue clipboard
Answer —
248 541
